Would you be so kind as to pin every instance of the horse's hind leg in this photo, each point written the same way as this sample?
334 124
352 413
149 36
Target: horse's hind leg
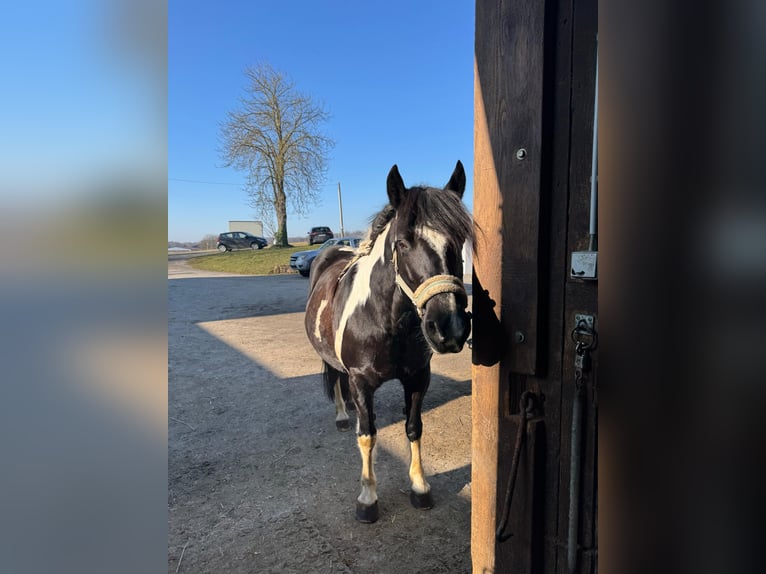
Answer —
414 390
367 502
336 387
341 415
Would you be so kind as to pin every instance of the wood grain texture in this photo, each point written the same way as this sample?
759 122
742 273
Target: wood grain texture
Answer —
535 63
509 70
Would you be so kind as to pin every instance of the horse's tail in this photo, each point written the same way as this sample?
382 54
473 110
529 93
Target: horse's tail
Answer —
330 376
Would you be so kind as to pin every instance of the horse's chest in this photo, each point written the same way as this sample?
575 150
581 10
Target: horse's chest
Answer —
384 353
414 357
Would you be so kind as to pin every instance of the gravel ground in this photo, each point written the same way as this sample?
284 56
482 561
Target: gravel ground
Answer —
259 480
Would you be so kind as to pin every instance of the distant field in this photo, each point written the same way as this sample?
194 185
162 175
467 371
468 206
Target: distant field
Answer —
265 261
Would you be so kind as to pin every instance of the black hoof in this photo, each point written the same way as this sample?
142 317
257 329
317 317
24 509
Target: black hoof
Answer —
421 501
367 514
343 425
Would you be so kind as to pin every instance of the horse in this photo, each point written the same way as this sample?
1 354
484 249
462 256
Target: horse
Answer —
379 313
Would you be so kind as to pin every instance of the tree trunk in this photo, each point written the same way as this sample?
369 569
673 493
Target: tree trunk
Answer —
280 207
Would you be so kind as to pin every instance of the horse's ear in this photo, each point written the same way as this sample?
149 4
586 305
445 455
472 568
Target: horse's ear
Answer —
457 182
395 187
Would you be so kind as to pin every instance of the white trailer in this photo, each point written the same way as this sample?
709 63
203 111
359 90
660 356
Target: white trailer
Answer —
254 227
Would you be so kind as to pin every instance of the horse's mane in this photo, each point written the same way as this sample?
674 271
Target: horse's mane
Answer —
439 209
379 221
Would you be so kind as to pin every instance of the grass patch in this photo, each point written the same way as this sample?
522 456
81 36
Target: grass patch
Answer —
264 261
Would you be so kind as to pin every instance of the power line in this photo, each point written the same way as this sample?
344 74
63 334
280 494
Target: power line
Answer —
200 181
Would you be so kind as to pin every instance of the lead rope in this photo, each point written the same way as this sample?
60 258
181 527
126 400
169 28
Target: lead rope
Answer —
526 406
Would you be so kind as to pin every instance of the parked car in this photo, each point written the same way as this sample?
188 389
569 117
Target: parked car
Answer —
239 240
301 260
320 234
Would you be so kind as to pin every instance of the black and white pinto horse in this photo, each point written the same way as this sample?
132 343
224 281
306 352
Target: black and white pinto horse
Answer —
379 314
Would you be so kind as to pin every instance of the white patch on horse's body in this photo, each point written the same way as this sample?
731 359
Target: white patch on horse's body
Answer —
317 332
360 289
417 476
369 494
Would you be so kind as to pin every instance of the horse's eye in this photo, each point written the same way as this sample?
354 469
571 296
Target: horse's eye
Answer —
402 245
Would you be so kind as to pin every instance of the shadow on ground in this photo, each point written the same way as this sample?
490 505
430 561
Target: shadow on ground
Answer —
259 480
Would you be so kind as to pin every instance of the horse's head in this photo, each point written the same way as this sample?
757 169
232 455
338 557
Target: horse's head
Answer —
427 236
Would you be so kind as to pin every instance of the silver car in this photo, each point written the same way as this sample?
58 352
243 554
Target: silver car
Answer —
301 260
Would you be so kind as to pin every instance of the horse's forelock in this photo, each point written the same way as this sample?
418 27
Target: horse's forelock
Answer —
444 212
440 210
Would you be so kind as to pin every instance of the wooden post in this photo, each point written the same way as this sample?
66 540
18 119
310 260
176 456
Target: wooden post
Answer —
534 77
508 100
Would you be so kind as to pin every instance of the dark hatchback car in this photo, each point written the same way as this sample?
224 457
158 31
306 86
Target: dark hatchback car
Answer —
240 240
320 234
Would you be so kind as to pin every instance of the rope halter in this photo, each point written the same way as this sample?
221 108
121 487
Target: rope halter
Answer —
427 289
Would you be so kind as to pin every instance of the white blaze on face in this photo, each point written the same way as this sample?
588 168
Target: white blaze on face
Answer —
360 290
439 243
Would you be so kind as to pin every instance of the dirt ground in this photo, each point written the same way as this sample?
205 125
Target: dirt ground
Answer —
259 480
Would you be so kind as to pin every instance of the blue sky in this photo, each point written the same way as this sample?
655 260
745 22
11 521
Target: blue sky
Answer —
396 77
82 106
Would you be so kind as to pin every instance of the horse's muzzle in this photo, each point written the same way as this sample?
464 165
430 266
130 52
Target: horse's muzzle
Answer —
447 332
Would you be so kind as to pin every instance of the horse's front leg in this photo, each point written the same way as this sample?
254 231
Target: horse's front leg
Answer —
414 390
367 502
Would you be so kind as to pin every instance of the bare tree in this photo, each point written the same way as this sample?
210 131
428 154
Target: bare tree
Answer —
269 221
208 242
275 135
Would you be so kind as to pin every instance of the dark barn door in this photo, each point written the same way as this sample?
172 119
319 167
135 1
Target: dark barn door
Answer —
534 115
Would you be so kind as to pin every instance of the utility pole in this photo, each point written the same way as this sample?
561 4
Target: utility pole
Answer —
340 207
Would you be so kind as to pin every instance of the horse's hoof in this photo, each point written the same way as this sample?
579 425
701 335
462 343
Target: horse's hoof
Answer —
421 501
367 513
343 425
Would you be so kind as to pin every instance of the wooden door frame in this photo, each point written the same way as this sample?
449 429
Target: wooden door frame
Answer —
533 108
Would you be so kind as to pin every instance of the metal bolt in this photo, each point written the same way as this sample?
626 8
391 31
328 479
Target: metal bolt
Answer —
519 336
521 153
